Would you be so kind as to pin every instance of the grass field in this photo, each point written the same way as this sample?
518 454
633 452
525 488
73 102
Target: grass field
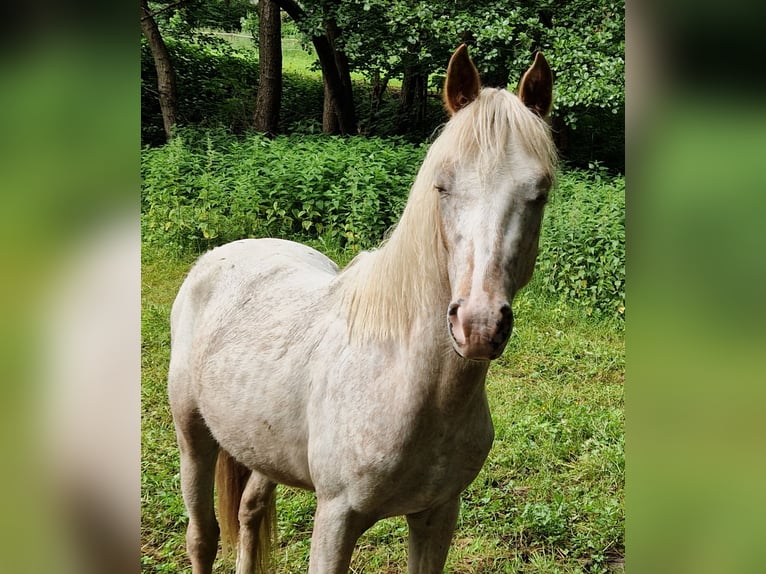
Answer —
550 496
295 57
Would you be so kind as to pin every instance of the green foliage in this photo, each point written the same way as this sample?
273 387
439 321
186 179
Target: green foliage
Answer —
582 247
586 46
206 188
182 18
216 88
302 101
215 85
584 41
550 497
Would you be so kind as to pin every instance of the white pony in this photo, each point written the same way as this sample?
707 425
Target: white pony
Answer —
364 385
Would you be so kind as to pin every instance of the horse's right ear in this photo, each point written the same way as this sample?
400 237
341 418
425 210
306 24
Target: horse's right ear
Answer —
536 86
462 84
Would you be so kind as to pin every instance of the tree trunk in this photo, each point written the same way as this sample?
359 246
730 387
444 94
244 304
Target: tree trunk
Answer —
377 91
412 102
346 114
166 77
267 102
330 121
335 73
340 100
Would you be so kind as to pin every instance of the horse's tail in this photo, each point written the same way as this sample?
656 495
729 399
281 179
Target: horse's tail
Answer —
230 479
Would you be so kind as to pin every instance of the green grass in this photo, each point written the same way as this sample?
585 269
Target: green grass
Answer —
295 57
550 496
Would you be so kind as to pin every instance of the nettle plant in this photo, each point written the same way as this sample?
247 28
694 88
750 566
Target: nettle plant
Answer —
582 246
206 188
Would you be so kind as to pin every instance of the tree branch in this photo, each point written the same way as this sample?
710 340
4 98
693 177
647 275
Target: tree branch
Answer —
149 14
293 9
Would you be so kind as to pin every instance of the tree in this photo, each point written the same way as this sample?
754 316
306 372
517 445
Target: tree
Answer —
269 68
187 16
166 79
316 19
583 41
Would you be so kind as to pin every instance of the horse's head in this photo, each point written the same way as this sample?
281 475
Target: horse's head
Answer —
495 167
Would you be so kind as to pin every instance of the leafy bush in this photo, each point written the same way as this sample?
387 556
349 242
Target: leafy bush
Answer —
215 84
302 102
206 188
582 246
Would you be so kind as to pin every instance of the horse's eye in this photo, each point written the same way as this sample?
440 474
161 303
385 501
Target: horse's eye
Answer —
540 199
543 185
444 179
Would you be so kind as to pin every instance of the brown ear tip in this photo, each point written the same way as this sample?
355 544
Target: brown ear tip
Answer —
536 86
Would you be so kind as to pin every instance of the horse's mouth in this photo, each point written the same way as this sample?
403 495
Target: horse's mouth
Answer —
483 349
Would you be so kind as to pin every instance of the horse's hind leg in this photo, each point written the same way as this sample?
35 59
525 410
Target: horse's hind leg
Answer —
430 536
257 522
199 451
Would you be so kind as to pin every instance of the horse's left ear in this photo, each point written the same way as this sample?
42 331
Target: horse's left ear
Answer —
536 86
462 84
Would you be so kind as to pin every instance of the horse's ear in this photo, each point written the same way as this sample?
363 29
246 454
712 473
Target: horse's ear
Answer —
536 86
462 84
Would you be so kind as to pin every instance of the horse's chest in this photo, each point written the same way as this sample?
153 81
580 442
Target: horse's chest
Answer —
444 460
399 464
398 435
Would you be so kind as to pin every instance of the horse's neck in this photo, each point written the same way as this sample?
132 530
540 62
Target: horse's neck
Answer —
399 294
401 286
404 307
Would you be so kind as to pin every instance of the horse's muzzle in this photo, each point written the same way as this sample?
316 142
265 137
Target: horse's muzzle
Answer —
479 333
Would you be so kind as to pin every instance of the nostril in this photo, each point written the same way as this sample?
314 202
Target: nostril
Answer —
458 329
505 323
506 315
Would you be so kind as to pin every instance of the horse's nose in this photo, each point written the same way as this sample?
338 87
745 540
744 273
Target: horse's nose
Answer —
479 332
504 324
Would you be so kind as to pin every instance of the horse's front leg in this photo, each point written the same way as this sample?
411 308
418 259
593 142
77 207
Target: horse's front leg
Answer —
336 530
430 536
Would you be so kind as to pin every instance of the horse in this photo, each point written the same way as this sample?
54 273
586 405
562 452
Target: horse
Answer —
366 385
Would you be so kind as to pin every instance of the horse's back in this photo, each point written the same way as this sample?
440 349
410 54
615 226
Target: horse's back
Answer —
226 281
228 270
250 258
